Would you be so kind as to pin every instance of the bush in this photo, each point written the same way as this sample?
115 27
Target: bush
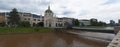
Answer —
2 24
24 24
36 29
25 30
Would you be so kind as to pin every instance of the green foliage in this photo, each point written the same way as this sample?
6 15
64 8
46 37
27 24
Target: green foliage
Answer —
75 22
25 30
93 23
101 23
40 24
68 25
14 17
24 24
36 29
2 24
96 23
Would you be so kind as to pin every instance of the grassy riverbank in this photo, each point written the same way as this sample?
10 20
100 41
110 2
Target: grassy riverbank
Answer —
25 30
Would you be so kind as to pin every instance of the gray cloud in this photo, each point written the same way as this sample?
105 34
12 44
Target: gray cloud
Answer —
78 8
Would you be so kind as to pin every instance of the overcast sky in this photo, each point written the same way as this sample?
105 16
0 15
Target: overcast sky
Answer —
103 10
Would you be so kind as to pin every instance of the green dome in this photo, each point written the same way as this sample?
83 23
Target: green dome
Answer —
48 11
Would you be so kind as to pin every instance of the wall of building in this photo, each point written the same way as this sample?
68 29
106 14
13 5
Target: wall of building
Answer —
1 19
49 19
84 22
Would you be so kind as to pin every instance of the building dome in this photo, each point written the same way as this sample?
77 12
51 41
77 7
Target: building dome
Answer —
48 10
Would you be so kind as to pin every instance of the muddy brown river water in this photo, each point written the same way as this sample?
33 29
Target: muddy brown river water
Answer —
48 40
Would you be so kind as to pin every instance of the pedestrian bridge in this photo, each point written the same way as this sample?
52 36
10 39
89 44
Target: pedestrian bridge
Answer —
90 29
102 30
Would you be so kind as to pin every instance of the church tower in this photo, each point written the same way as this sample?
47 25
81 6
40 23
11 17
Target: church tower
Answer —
49 18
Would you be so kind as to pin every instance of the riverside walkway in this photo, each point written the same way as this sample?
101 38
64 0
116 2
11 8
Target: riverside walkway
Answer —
116 41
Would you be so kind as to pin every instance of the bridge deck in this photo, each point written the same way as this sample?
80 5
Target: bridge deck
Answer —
95 30
91 30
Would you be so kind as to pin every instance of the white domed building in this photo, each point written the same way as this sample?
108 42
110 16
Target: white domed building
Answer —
49 18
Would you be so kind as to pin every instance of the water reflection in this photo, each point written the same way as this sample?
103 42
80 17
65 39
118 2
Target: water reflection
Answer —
75 40
47 40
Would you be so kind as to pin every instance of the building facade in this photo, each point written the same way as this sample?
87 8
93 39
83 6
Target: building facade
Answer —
1 18
84 22
49 19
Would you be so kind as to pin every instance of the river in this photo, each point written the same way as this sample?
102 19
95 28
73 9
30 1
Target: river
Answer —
48 40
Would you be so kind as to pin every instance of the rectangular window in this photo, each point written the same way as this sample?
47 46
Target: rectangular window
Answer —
38 19
34 19
28 18
25 19
24 15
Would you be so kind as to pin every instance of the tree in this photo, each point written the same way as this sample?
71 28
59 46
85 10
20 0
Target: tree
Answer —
82 24
68 25
93 22
40 24
24 24
14 18
2 24
101 23
75 22
34 24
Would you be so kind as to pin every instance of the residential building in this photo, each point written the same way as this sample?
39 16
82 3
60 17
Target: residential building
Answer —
1 18
61 22
84 22
112 22
119 21
49 19
94 20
